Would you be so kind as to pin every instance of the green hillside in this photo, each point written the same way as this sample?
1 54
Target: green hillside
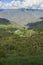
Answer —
21 46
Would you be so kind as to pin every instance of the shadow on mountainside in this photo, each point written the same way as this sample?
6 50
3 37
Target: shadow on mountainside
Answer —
36 26
4 21
31 25
1 10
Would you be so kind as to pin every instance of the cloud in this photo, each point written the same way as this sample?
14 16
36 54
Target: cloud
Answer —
32 3
0 3
14 4
11 5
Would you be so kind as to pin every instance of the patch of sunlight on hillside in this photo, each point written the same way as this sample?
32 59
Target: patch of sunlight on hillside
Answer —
25 33
29 33
19 32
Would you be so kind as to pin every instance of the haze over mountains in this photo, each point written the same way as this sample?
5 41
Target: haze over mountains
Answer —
21 16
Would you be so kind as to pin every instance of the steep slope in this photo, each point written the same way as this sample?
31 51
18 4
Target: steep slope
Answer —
4 21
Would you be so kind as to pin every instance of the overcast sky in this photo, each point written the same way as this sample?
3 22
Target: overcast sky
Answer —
14 4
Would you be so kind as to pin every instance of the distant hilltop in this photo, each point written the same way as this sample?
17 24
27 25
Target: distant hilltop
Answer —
4 21
35 23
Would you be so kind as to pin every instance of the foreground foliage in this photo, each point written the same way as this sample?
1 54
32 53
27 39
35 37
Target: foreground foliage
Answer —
21 50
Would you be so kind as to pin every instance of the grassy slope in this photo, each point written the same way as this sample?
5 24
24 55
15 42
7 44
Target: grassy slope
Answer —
17 50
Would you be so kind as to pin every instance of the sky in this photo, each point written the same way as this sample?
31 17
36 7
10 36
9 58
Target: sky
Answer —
15 4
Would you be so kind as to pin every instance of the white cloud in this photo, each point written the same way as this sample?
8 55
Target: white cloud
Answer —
0 3
26 3
32 3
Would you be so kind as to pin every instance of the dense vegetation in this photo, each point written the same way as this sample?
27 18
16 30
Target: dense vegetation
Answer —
21 46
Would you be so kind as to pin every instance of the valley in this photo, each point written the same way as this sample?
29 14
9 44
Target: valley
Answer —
21 44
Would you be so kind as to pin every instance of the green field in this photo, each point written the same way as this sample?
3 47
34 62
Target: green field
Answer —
21 46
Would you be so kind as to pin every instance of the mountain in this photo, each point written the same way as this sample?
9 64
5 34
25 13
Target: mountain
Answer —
34 24
30 9
4 21
21 16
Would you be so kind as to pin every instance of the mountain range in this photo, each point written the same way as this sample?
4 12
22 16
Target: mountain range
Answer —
21 16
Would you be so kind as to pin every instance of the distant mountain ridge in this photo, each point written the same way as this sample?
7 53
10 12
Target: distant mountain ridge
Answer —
21 16
29 9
